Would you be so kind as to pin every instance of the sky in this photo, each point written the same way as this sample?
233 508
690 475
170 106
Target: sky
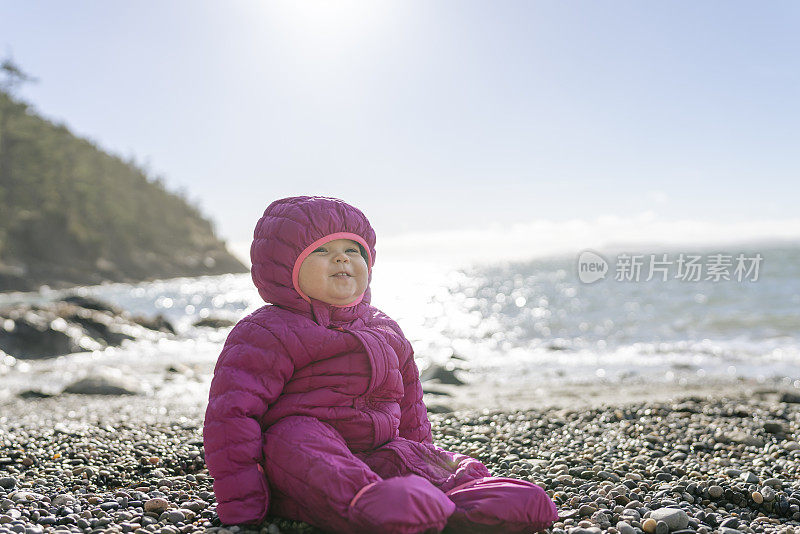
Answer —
486 125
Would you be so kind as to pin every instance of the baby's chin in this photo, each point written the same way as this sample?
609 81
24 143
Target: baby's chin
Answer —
341 300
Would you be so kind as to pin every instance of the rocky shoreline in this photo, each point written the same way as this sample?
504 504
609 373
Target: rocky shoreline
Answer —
72 324
722 463
75 326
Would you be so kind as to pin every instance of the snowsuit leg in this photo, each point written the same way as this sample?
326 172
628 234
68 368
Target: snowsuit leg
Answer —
484 504
314 477
443 469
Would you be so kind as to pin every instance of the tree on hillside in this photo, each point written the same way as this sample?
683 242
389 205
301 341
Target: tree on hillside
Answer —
71 213
12 77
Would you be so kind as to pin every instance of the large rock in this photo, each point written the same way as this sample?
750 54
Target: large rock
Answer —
158 323
90 303
790 397
214 322
440 373
675 518
32 334
74 324
99 325
100 385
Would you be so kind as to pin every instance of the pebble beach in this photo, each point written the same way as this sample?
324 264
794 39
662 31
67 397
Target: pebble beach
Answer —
701 463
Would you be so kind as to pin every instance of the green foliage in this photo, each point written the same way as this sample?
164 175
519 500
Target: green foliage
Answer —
68 207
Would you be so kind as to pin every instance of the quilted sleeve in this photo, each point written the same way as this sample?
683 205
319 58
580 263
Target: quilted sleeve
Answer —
250 373
414 424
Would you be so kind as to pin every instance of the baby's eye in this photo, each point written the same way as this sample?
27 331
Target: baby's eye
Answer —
320 249
353 250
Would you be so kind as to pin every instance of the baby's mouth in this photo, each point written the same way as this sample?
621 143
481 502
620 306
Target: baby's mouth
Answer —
341 275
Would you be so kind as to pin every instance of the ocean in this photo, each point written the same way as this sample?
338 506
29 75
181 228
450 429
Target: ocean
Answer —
526 323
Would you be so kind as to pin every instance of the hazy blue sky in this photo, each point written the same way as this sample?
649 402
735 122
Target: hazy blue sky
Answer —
434 116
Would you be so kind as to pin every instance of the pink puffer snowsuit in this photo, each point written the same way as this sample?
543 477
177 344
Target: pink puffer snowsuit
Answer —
315 411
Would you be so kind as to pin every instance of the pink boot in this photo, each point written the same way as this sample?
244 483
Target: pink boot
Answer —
400 505
500 505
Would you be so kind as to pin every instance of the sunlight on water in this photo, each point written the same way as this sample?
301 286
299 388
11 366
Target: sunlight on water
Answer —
532 321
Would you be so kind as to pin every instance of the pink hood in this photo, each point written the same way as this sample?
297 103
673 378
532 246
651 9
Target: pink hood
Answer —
287 232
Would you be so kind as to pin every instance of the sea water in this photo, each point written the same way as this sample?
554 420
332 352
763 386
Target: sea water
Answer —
523 323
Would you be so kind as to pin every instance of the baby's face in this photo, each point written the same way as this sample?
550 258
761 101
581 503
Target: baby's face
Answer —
320 277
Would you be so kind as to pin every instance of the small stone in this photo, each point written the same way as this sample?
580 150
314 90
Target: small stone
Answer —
63 500
746 439
731 522
173 516
749 477
774 427
8 482
715 492
649 525
674 518
25 496
195 506
110 505
625 528
631 514
188 514
601 520
662 528
156 505
757 497
587 510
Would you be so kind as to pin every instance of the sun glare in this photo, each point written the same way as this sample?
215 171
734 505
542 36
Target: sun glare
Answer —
325 26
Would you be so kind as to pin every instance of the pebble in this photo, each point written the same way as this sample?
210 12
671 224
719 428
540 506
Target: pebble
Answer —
586 509
674 518
649 525
173 516
157 505
731 522
749 477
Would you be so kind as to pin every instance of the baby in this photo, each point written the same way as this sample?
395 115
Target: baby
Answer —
315 411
